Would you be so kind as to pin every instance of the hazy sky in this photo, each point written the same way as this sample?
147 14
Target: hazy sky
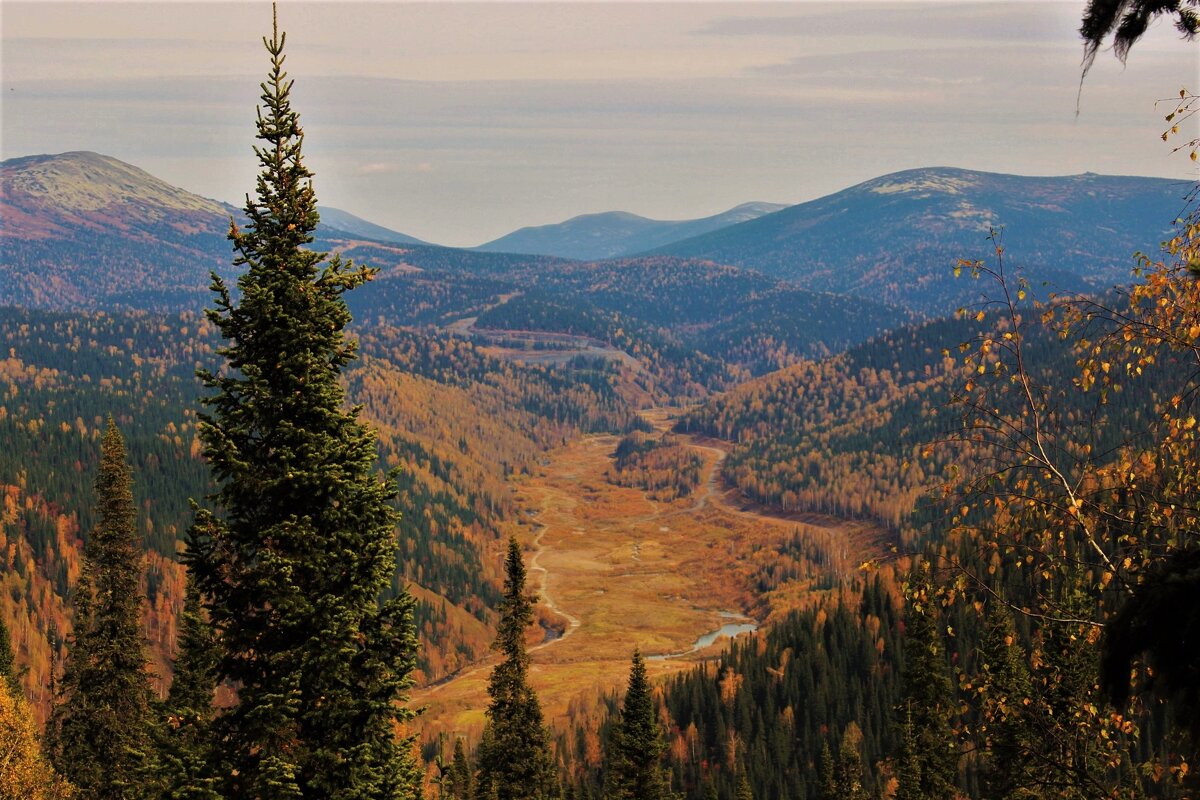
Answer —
459 122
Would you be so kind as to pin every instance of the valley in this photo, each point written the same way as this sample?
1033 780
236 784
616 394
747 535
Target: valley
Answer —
614 570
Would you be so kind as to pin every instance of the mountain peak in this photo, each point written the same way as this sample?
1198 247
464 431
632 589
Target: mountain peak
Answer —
615 234
87 182
925 181
895 238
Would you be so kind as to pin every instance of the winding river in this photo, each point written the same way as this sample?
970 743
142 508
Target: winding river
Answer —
740 624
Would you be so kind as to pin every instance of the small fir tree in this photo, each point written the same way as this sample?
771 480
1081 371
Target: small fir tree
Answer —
8 661
1005 708
515 761
928 755
184 763
744 792
635 744
1076 758
828 775
850 780
102 722
294 560
457 783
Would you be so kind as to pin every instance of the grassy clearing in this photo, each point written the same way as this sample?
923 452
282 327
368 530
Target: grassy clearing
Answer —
624 571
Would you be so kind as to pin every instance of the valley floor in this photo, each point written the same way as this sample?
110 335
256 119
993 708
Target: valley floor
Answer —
616 570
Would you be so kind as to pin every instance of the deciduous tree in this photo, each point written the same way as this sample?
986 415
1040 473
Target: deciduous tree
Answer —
24 772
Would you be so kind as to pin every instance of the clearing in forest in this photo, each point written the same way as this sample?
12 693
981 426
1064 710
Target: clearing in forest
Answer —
615 569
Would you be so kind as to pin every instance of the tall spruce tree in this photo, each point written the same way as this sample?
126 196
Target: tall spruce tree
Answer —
515 762
101 722
293 562
635 744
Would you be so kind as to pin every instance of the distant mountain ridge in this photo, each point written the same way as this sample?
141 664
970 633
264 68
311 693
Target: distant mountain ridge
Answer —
615 234
896 238
85 230
349 223
80 228
82 231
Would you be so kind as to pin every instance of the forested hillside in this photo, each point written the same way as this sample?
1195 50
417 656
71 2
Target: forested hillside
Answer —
456 422
1012 452
770 712
856 435
742 317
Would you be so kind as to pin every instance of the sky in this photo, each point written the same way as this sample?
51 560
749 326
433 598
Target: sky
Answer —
460 122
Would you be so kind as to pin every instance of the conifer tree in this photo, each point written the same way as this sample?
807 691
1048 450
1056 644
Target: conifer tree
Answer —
744 792
294 559
8 662
635 744
1075 757
458 778
1005 708
515 761
183 771
928 757
828 775
908 764
850 769
102 723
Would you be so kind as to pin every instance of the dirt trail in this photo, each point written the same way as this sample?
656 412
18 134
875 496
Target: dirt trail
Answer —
573 622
